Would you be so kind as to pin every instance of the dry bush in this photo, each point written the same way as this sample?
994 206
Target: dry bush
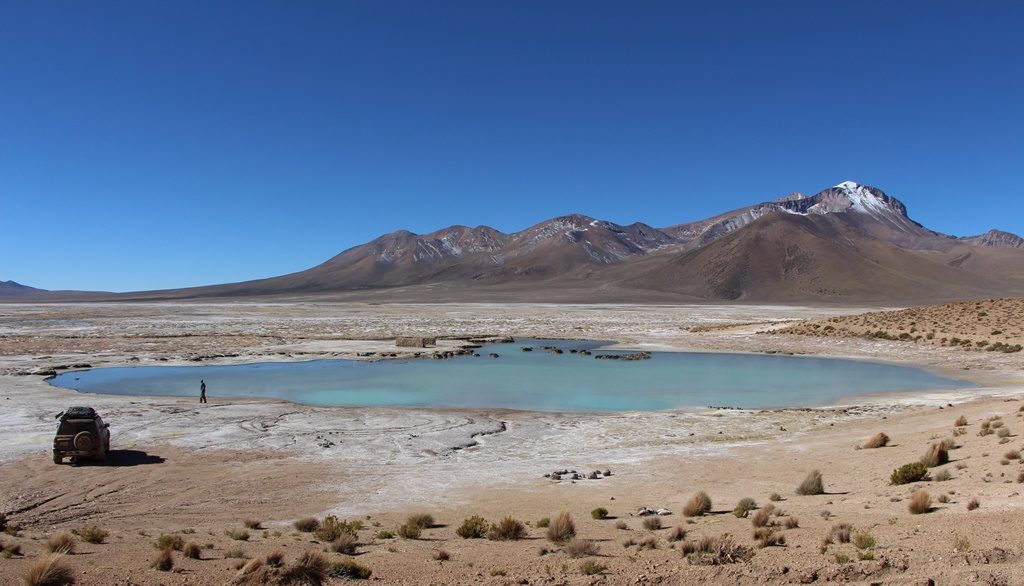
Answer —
1003 433
652 523
942 475
1012 455
253 572
792 523
973 504
63 543
331 529
908 473
50 570
715 551
442 555
960 421
93 534
508 529
275 559
620 524
172 541
345 543
775 497
592 568
840 532
234 553
252 524
698 505
863 541
164 560
949 443
474 527
424 520
744 507
543 522
811 485
310 568
580 548
192 551
676 534
562 528
306 524
348 569
879 440
763 517
768 537
943 499
920 502
937 455
650 542
599 513
410 531
236 534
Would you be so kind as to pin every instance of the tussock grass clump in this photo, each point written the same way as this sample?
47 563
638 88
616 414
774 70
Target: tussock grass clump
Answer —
236 534
9 550
1003 433
763 517
306 524
562 529
907 473
252 524
650 542
973 504
164 560
652 523
942 475
864 541
253 572
920 502
410 531
345 543
879 440
676 534
192 551
442 555
744 507
385 534
811 485
1012 455
986 429
309 568
275 559
234 553
620 524
543 523
698 505
474 527
508 529
172 541
62 543
840 532
331 529
93 534
424 520
348 569
775 497
592 568
580 548
715 551
943 499
960 421
50 570
937 455
599 513
768 537
792 523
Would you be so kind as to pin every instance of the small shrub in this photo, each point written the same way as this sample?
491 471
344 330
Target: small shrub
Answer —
676 534
579 548
348 569
385 534
424 520
937 455
345 543
942 475
1012 455
164 560
842 558
410 531
768 537
879 440
310 568
652 523
192 551
62 543
973 504
840 532
864 541
234 553
943 499
650 542
275 559
715 551
744 507
508 529
474 527
763 517
93 534
960 421
920 502
306 524
792 523
252 524
543 523
50 570
442 555
331 529
236 534
775 497
811 485
592 568
620 524
908 473
562 528
599 513
698 505
865 555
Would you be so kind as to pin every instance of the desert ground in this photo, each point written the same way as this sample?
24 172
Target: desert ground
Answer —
190 473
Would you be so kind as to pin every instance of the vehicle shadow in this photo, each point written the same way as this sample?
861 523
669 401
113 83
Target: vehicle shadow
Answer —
126 458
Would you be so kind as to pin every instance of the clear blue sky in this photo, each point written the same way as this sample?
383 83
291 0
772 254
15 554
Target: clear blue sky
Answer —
150 144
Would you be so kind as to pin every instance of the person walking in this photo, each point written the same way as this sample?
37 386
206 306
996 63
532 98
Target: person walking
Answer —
202 391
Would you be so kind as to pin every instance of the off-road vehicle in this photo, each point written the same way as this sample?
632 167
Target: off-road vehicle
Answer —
81 434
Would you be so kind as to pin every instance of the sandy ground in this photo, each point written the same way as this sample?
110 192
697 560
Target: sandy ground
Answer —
198 471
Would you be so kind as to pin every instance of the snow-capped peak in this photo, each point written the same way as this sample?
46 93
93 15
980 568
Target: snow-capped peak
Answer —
863 198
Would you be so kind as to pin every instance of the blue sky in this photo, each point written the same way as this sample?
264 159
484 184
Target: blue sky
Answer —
154 144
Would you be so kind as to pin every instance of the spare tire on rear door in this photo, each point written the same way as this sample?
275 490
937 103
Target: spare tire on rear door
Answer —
84 441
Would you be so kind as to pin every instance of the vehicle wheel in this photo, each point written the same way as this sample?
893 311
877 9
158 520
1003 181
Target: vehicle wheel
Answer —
84 441
56 458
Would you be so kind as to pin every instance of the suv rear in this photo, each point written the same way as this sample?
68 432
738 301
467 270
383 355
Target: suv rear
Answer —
81 433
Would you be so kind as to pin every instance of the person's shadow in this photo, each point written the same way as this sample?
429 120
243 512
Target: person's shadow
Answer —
131 458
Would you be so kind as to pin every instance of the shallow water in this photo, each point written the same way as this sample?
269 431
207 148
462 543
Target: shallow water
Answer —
538 380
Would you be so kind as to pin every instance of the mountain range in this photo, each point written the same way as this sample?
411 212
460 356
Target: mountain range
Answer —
849 243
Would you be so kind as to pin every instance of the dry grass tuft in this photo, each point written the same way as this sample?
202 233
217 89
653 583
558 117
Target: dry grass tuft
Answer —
93 534
174 542
164 560
840 532
763 517
652 523
676 534
811 485
192 551
698 505
879 440
599 513
348 569
345 543
973 504
715 551
592 568
960 421
62 543
275 559
920 502
252 524
942 475
424 520
908 473
310 568
442 555
937 455
768 537
474 527
508 529
236 534
331 529
562 529
306 524
580 548
792 523
744 507
50 570
410 531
